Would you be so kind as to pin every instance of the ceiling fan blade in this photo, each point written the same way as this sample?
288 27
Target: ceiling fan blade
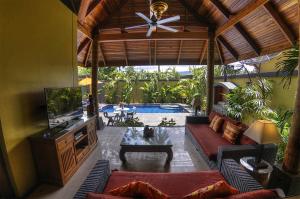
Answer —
138 26
144 17
168 20
167 28
151 29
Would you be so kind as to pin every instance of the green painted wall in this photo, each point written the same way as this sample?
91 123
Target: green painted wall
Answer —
37 50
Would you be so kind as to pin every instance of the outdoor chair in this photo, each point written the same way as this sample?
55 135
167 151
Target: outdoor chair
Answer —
111 120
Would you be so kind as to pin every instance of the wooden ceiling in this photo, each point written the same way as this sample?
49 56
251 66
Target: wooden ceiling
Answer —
244 29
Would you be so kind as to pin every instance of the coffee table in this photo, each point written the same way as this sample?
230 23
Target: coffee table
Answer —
133 141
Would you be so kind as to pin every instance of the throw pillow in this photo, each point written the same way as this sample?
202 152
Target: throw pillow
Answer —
138 189
216 123
219 189
232 133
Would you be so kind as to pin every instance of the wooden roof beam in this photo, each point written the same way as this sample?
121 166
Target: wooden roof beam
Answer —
253 44
240 15
86 58
155 36
155 51
150 53
125 53
202 20
84 5
179 52
84 30
286 30
228 47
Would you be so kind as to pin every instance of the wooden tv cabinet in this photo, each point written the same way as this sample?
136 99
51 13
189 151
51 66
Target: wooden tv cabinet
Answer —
59 155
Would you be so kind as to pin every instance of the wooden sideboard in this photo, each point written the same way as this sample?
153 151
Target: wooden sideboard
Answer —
59 155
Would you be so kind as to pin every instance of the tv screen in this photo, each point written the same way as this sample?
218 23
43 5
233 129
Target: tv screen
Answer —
63 105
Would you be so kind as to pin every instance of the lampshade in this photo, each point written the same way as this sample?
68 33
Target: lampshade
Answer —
263 132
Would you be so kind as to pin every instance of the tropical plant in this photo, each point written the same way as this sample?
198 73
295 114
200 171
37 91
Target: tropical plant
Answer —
167 123
251 100
287 65
151 91
282 119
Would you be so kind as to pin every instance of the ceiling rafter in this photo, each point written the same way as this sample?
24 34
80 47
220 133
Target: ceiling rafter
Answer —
84 5
179 51
150 53
92 6
226 13
125 53
84 30
286 30
155 51
204 49
202 20
240 15
228 47
155 36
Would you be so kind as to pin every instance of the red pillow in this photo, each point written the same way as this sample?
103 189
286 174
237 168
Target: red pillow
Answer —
103 196
219 189
138 189
265 194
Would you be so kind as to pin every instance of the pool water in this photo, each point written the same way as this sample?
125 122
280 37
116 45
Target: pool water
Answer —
140 108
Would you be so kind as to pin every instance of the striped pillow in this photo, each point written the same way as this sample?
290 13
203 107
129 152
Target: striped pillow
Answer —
232 133
216 123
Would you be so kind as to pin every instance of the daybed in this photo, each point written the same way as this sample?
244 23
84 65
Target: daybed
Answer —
213 147
175 185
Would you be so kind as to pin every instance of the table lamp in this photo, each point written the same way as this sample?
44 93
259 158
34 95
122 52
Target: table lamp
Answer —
262 132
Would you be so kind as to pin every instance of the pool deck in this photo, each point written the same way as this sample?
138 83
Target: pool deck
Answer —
153 119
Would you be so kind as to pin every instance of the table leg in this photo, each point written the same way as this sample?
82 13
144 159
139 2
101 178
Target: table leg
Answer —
170 155
122 155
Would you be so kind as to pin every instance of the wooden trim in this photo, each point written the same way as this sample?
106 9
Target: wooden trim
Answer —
210 71
203 52
155 36
155 51
228 47
238 26
286 30
179 52
202 20
150 53
83 10
240 15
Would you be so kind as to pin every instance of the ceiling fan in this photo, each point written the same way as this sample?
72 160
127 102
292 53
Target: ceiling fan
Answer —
157 9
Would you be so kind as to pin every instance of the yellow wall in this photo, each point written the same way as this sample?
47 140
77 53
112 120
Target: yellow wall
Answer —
37 50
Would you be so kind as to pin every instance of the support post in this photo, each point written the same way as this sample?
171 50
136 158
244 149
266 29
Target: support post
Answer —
95 77
210 70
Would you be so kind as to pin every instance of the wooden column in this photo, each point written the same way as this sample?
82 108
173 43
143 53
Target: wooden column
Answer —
210 70
291 162
95 76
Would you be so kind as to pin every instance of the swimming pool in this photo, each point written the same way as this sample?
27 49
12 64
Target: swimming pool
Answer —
146 108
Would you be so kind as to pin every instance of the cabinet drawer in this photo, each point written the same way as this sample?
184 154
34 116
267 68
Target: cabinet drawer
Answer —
65 142
92 124
81 154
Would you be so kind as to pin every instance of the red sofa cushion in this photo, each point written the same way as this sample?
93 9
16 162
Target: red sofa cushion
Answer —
176 185
208 140
263 194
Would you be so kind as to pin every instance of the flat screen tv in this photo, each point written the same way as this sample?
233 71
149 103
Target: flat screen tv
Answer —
63 105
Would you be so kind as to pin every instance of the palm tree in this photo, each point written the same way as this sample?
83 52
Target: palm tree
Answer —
287 65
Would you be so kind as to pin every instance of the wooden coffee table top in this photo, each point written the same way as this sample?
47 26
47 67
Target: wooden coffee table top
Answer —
134 138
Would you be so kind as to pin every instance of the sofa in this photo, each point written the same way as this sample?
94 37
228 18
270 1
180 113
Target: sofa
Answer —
175 185
213 147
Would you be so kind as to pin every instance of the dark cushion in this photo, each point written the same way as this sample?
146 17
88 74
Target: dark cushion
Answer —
176 185
246 140
259 194
207 139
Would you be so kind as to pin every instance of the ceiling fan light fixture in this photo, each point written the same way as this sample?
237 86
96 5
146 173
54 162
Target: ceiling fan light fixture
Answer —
158 8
